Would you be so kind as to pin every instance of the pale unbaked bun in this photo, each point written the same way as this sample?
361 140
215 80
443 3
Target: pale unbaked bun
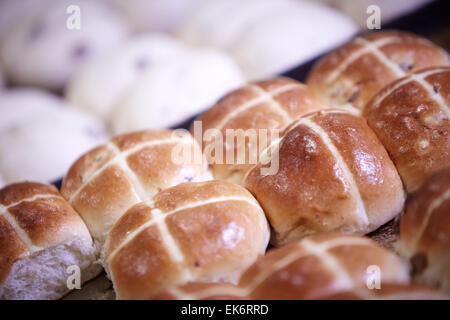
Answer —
204 231
40 237
355 72
41 136
156 15
267 105
12 12
425 232
41 50
108 180
313 268
333 175
102 81
267 37
152 82
173 90
411 117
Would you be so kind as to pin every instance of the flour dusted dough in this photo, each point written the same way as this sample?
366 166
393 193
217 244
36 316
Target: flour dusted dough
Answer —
175 90
153 81
103 81
39 49
40 136
267 37
156 15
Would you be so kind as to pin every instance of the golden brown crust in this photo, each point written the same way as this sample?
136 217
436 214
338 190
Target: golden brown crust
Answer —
269 104
130 140
313 268
18 191
143 266
411 117
334 175
141 213
225 291
355 72
104 199
425 231
47 221
33 217
391 291
133 167
194 231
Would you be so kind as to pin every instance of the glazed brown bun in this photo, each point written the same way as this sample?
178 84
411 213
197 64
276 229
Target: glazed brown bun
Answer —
391 291
269 104
40 237
425 232
333 176
355 72
226 291
204 231
411 117
131 168
313 268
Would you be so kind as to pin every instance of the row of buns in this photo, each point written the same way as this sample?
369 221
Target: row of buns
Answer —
125 77
44 43
163 229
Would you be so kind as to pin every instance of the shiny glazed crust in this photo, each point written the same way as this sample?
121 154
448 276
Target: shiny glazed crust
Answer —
313 268
268 104
206 231
355 72
425 231
411 117
107 181
333 176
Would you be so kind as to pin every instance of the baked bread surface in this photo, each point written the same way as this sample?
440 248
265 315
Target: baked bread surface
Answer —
203 231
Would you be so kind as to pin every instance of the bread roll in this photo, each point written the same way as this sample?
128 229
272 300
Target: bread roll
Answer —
173 90
100 84
313 268
269 104
205 231
156 15
425 231
411 117
46 47
355 72
13 11
41 135
391 292
152 82
268 48
332 175
40 237
110 179
226 291
259 34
